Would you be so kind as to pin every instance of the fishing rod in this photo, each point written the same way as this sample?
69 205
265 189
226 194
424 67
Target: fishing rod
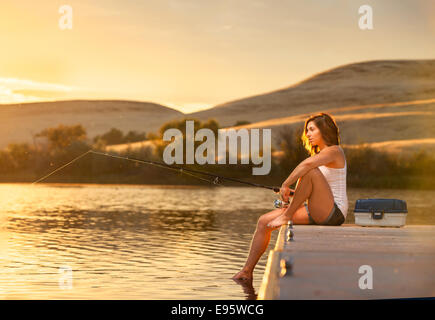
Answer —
216 181
183 169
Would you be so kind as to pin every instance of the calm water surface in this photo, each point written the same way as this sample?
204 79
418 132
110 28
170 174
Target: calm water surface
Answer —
141 242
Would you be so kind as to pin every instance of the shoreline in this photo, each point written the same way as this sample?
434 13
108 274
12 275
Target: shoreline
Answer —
187 185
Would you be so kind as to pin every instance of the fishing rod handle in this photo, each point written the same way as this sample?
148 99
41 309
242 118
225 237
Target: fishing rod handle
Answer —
277 189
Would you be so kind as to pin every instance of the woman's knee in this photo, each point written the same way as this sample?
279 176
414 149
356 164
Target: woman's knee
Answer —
313 172
310 174
262 221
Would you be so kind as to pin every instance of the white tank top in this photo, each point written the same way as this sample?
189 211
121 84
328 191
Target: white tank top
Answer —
336 178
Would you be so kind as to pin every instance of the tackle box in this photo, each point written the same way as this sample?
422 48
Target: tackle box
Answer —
380 212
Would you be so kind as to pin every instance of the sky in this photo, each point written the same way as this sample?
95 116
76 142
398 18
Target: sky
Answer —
194 54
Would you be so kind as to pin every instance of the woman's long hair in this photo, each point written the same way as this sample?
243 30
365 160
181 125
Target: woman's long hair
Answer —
328 128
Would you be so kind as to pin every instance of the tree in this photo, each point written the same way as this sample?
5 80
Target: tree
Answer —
113 136
292 148
211 124
63 136
19 154
133 136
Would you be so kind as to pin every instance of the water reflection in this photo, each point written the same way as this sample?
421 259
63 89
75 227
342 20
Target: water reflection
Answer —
126 242
138 242
161 220
248 288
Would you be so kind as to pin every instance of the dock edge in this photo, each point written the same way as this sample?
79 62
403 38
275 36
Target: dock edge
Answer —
269 289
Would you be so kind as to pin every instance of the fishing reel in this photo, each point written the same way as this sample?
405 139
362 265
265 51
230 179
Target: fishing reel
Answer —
278 203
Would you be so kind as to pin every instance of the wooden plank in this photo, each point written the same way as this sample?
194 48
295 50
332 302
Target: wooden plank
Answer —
327 262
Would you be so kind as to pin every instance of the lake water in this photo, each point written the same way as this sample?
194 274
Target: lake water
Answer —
141 242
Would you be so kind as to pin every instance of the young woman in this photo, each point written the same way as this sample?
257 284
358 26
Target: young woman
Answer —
320 194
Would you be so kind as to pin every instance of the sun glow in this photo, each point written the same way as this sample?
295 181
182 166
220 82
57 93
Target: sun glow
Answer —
14 90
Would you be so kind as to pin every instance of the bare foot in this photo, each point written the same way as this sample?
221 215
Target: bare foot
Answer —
278 221
243 275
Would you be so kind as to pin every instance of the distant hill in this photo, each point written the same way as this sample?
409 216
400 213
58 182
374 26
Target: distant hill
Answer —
362 83
372 102
388 104
405 125
19 122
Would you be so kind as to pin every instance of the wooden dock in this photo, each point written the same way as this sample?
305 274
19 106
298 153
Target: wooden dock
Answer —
324 262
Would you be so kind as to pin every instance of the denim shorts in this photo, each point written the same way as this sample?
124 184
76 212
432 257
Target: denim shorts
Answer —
335 218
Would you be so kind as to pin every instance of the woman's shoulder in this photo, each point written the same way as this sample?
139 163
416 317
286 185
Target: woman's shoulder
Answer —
340 158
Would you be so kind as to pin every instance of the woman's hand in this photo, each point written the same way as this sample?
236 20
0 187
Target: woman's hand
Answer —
285 192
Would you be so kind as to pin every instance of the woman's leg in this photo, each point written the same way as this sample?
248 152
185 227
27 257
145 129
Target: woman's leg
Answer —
314 187
259 243
261 238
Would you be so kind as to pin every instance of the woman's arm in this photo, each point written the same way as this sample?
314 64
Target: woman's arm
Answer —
324 157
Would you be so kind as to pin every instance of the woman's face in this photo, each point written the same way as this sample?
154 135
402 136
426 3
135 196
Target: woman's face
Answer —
313 134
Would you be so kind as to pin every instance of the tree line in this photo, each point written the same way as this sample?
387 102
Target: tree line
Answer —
23 162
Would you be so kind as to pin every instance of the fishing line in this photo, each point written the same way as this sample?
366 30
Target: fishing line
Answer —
278 203
154 163
60 168
216 177
191 172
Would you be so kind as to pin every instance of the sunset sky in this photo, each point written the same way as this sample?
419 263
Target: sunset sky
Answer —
194 54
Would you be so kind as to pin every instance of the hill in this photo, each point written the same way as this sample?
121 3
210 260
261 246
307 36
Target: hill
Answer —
388 105
19 122
365 83
373 102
